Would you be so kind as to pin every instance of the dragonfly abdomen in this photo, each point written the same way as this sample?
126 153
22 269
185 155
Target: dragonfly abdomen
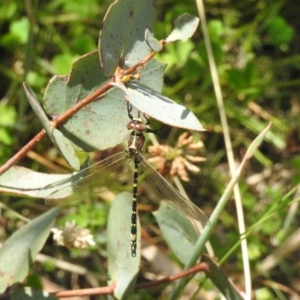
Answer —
134 207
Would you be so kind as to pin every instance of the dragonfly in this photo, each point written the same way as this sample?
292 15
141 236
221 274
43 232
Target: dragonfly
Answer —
101 175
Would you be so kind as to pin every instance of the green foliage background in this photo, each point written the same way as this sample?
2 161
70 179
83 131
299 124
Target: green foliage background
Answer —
256 48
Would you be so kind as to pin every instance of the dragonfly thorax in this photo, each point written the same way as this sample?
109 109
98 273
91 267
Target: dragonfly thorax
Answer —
136 142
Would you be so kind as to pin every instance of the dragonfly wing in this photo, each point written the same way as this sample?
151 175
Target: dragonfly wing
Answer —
165 191
93 179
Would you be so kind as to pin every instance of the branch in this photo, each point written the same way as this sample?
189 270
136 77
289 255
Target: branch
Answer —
109 290
66 115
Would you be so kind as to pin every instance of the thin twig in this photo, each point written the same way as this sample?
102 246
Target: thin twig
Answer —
110 288
185 273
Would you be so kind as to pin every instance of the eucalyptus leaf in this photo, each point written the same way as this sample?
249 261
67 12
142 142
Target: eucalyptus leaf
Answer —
184 28
100 124
54 101
20 181
122 267
177 230
152 42
122 38
35 104
18 252
55 136
152 75
66 149
159 107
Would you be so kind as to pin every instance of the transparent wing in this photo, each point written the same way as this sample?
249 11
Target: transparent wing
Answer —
93 179
165 191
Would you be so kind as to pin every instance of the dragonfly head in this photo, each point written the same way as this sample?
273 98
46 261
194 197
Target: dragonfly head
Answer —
137 124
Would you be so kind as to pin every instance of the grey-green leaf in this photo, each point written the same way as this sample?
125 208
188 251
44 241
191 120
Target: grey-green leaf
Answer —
35 104
184 27
66 149
159 107
55 136
122 267
20 181
122 38
18 252
152 42
152 75
99 125
177 230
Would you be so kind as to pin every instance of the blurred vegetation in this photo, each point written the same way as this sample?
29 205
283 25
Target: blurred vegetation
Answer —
256 48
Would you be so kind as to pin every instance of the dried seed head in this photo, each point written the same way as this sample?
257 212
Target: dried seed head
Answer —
73 236
176 161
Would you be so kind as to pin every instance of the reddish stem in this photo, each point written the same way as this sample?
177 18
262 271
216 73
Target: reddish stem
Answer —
110 288
96 94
